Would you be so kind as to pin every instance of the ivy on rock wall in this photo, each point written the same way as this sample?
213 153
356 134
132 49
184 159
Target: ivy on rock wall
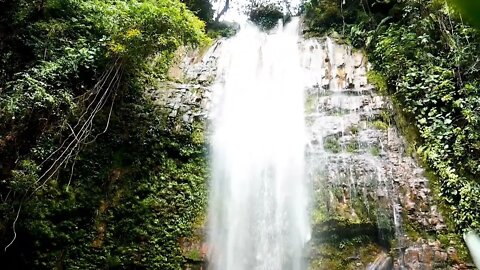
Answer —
92 175
427 57
131 197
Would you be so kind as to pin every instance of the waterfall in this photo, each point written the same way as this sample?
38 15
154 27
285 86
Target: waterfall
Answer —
258 216
308 170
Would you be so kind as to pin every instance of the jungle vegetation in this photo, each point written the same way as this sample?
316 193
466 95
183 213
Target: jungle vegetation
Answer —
425 55
92 175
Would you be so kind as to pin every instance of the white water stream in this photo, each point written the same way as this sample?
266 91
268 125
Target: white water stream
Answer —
298 132
258 216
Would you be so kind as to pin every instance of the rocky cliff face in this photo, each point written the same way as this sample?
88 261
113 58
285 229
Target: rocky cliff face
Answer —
372 205
186 100
186 97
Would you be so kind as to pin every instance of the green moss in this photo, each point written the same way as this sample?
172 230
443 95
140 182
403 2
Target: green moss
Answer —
198 134
352 147
319 215
375 151
347 254
332 144
411 230
310 104
353 129
340 112
378 80
409 131
448 237
194 255
378 124
386 116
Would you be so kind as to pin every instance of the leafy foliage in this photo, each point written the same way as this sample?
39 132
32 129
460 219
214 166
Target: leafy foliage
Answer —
266 16
126 199
425 55
327 15
222 29
471 9
130 199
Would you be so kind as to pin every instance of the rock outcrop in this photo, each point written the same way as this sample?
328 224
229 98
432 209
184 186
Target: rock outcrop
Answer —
372 206
361 175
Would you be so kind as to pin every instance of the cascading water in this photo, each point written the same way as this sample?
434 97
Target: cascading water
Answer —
295 118
258 203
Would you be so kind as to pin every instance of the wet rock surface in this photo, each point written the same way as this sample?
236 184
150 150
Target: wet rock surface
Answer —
361 175
187 96
367 193
186 100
